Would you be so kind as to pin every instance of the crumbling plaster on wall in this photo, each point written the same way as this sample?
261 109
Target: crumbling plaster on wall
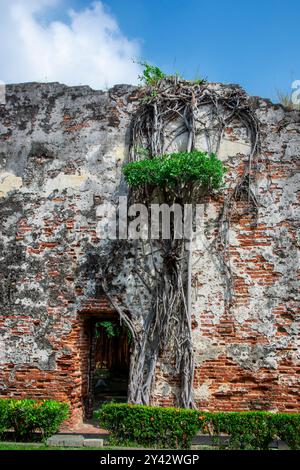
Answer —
62 150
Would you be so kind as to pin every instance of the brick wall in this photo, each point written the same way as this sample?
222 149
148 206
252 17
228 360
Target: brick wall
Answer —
61 155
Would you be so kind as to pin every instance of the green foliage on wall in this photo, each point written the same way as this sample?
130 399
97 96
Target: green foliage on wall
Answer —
151 74
176 169
111 328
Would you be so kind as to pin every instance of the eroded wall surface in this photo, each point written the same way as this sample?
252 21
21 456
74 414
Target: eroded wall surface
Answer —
61 155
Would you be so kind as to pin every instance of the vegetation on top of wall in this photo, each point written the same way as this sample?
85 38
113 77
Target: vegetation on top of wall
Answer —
152 75
174 427
176 169
27 417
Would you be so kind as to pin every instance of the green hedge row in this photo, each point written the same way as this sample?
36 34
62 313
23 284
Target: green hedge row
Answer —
26 417
175 428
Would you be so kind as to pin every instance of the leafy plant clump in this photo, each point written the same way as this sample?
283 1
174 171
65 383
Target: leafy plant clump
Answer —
151 74
26 417
175 427
149 426
111 328
254 430
176 169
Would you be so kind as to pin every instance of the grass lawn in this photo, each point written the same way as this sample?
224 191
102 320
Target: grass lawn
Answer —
30 446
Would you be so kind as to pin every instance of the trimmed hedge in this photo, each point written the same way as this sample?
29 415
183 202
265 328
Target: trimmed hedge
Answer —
26 417
164 427
175 428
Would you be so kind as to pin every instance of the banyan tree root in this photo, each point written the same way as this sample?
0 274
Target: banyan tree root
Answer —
166 327
168 323
209 109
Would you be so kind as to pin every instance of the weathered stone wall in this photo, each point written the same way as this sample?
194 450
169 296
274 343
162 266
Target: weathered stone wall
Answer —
247 353
61 155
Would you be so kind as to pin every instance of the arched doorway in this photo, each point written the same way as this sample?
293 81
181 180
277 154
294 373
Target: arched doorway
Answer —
110 361
108 358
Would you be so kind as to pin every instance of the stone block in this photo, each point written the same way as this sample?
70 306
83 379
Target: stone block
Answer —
65 441
93 443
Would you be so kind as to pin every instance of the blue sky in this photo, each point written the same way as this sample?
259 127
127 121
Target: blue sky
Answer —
255 44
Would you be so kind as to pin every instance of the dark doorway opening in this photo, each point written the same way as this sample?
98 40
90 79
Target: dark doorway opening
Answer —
109 362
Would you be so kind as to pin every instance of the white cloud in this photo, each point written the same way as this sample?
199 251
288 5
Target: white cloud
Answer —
89 49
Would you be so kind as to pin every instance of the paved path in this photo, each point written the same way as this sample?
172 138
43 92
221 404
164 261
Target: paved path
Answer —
85 428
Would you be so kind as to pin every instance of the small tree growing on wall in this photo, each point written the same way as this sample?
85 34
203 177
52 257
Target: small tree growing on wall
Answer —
182 178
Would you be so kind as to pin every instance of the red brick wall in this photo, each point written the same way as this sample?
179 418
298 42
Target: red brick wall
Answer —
247 356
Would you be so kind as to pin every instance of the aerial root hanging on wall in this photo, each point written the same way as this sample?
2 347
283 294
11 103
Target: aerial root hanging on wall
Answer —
168 323
173 99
